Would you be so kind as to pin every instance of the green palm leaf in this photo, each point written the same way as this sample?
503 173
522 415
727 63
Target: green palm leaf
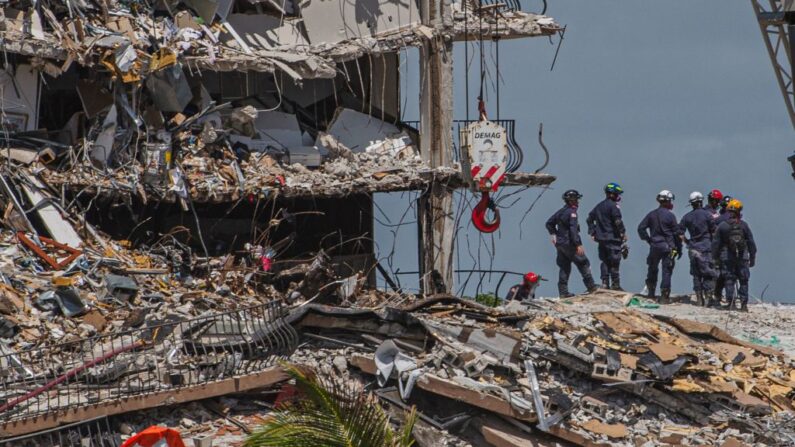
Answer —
330 414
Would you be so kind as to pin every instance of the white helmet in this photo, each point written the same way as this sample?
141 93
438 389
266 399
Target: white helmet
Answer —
665 196
696 196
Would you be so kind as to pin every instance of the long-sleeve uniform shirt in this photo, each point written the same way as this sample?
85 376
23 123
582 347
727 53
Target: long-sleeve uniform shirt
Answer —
700 226
605 223
564 226
660 229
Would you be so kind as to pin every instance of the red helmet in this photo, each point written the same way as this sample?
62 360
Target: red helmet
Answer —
715 194
531 278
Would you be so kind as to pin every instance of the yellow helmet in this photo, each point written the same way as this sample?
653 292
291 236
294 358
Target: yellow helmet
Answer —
734 205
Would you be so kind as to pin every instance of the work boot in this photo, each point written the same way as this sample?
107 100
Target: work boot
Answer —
605 284
665 296
617 286
708 300
566 295
744 307
699 298
650 288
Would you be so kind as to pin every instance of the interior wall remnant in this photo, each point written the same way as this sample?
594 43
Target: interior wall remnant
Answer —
19 93
385 80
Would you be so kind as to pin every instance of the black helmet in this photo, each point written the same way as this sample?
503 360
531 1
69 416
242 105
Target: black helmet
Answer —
725 201
571 194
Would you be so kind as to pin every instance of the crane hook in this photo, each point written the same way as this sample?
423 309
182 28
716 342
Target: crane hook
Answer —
479 214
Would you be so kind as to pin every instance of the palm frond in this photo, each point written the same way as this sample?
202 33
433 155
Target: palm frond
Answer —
330 414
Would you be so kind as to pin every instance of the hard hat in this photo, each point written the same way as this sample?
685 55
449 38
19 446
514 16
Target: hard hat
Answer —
715 194
696 196
725 201
665 196
614 188
571 194
734 205
531 277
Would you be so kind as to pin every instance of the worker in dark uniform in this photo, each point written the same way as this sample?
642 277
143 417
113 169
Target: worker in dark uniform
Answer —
661 231
722 217
565 231
607 228
735 251
713 203
700 226
526 290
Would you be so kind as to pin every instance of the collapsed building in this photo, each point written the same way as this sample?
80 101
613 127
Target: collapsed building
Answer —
187 189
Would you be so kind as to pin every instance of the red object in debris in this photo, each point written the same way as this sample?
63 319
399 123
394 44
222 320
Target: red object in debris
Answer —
154 436
479 215
280 179
266 263
288 393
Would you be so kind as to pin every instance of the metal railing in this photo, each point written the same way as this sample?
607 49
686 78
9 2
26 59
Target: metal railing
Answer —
94 433
515 153
484 277
169 355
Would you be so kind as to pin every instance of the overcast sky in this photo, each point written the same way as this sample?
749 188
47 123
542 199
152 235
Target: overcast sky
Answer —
652 95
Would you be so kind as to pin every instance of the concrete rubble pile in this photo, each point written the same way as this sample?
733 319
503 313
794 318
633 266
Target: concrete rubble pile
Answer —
581 372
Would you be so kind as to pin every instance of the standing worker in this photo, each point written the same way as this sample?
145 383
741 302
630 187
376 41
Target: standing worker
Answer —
722 217
700 226
713 202
734 250
607 229
565 231
526 290
661 231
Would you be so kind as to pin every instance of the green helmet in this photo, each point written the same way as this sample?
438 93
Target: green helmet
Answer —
614 188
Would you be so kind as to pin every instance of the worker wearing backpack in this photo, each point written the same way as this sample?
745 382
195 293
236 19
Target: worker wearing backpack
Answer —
734 250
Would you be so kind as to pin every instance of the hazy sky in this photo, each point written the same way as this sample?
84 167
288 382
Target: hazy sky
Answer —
652 95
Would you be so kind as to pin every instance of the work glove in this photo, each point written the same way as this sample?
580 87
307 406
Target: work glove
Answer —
752 262
624 250
679 252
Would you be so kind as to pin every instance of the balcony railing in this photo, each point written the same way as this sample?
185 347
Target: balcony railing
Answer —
515 153
167 356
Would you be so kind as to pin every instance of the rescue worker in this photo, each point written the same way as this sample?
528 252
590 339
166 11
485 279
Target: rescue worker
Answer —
713 202
661 231
734 250
700 226
607 228
722 217
565 231
526 290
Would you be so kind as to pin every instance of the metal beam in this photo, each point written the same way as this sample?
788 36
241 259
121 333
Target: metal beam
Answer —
776 35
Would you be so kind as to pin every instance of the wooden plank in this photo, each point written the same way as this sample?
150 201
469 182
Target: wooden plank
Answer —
452 390
262 379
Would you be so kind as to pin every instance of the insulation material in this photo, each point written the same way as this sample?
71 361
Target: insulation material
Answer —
264 32
20 96
333 21
364 133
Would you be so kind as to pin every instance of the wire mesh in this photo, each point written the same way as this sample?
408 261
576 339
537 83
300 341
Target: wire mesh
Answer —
93 433
172 354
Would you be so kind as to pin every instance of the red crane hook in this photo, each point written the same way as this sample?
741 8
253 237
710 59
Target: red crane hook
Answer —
479 214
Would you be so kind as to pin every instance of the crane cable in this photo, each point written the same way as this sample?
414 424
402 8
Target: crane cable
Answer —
486 203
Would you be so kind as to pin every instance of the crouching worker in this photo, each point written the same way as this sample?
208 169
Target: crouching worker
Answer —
526 290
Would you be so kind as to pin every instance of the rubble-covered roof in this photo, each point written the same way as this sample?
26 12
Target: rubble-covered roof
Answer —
305 42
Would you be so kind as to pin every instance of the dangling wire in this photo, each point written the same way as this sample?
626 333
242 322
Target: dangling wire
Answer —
466 57
496 38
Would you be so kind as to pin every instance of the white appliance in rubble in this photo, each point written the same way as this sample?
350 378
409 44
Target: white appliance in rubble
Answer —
485 154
